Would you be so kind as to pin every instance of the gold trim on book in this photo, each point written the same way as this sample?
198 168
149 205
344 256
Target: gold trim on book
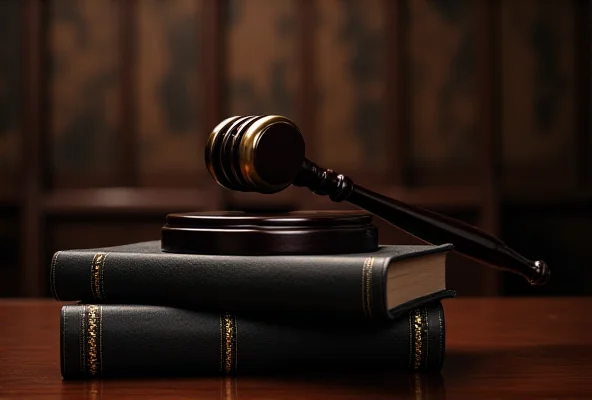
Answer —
96 275
367 286
418 328
93 339
227 343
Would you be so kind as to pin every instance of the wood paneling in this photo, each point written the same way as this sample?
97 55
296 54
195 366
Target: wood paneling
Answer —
84 90
212 40
31 272
398 119
583 89
444 140
93 231
487 123
350 58
261 50
118 201
261 46
126 142
11 94
538 124
169 93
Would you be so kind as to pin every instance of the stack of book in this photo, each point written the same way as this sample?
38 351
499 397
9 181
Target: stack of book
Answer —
138 311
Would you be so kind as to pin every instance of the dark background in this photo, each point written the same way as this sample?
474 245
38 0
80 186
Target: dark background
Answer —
476 109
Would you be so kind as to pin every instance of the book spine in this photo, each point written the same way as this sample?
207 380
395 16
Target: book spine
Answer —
105 340
349 287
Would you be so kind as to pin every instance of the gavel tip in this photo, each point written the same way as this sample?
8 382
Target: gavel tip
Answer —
543 273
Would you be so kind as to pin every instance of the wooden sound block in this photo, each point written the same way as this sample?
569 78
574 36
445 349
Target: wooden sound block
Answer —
291 233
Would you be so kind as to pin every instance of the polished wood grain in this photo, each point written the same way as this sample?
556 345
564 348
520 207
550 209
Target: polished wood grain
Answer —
496 348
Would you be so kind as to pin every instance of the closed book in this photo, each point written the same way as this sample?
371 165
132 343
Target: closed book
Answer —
109 340
374 286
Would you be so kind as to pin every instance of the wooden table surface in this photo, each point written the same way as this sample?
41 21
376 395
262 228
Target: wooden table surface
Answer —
496 348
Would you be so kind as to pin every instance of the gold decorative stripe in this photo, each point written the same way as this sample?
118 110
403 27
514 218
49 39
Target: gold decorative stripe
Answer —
367 286
93 340
418 328
227 343
96 276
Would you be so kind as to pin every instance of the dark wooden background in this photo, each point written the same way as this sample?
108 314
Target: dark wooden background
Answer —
477 109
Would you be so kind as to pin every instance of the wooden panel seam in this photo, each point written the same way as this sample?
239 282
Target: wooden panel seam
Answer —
127 83
306 13
397 128
488 70
31 269
583 36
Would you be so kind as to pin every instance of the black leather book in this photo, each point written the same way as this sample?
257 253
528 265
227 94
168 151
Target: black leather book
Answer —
373 286
108 340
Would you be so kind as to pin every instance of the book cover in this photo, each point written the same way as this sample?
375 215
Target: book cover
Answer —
362 286
111 340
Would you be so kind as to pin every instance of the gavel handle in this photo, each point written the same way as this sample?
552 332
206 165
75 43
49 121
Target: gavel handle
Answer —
427 225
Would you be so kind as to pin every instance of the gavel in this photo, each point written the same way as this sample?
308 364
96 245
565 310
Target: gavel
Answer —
266 154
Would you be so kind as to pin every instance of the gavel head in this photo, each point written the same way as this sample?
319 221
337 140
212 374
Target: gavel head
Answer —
255 153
